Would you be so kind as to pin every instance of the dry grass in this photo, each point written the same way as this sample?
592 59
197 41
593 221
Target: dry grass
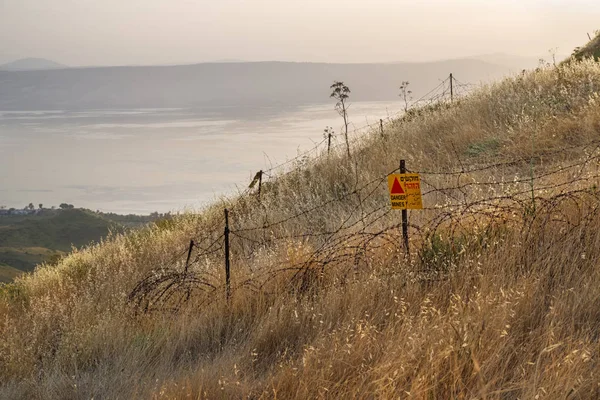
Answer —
506 311
591 49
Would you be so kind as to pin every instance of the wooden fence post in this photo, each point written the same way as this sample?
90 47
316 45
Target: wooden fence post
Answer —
381 126
257 179
451 87
187 262
259 182
227 261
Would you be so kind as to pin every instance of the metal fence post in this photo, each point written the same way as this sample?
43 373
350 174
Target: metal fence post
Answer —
404 213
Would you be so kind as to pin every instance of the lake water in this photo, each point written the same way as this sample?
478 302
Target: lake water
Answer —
141 161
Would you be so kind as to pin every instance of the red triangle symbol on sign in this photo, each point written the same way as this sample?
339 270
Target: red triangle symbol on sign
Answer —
396 187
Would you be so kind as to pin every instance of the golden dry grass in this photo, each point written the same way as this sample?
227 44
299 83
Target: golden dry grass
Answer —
494 305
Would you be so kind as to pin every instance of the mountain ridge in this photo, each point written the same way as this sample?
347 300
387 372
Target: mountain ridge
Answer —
226 84
31 64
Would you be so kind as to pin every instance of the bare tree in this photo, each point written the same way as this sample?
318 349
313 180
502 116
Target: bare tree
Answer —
405 94
341 93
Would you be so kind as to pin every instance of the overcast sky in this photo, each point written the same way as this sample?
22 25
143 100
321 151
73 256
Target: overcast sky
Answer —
141 32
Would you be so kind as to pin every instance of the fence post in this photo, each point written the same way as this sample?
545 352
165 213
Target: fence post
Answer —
227 262
404 214
381 126
260 174
451 87
187 262
257 179
328 142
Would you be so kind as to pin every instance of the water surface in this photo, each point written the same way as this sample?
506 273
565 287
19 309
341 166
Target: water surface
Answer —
146 160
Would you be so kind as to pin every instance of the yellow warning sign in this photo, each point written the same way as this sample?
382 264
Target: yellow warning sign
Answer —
405 191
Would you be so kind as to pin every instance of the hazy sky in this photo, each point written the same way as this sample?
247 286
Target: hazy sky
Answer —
135 32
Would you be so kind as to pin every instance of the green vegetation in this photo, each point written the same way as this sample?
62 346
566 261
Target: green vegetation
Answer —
7 273
498 299
592 49
29 240
485 147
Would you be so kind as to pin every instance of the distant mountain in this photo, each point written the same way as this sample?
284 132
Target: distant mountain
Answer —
228 60
243 84
515 63
31 64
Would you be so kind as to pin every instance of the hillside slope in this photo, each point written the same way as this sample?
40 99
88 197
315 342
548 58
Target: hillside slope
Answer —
29 240
8 273
497 297
31 64
591 49
54 229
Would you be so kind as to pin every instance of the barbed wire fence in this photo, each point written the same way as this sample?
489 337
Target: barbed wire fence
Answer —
440 94
340 243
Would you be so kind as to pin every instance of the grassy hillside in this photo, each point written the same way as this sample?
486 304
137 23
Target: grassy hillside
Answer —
591 49
60 230
497 298
7 273
29 240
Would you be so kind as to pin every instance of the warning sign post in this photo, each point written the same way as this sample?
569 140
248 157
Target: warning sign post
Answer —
405 191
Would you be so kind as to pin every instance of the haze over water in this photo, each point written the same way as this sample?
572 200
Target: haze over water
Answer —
146 160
